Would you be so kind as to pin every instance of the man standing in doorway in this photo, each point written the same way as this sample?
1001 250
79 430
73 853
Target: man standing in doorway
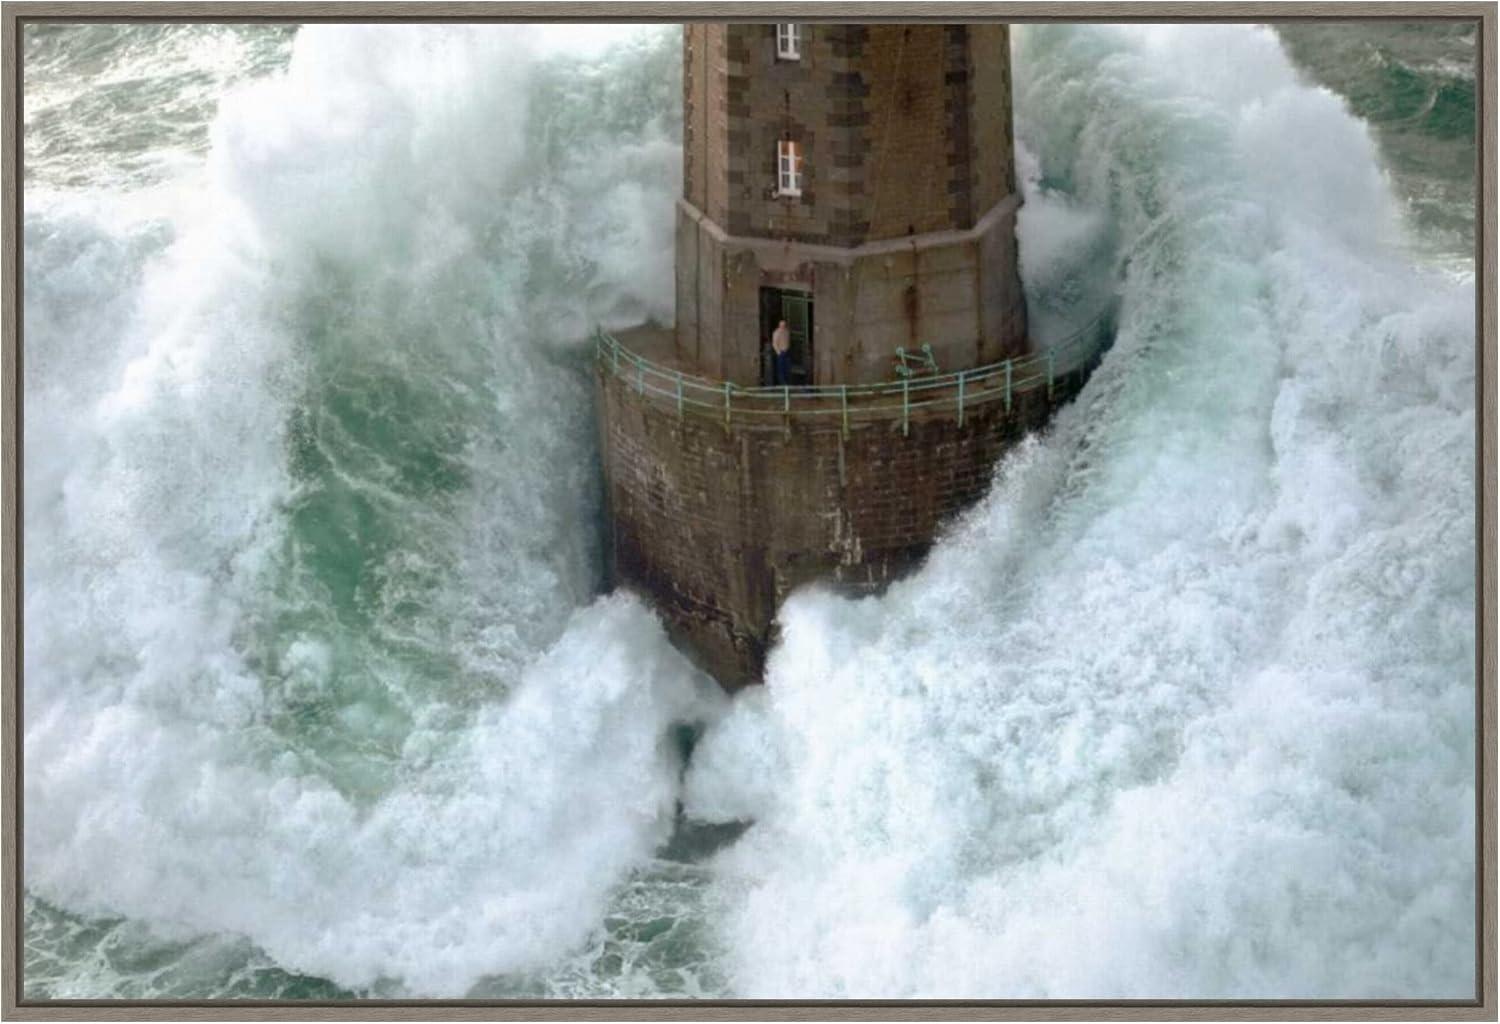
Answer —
781 355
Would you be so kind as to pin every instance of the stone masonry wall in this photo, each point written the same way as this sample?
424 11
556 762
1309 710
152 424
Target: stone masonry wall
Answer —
882 112
963 298
718 525
705 143
991 127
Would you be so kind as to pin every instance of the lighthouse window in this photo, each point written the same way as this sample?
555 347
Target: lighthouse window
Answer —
789 41
788 168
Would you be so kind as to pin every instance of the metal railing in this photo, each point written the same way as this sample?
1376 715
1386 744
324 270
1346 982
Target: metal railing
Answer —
848 403
911 363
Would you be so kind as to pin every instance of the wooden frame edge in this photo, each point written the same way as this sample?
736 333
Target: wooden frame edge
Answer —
1488 444
10 518
1142 11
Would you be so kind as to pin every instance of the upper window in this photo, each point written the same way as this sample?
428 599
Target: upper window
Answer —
788 168
789 41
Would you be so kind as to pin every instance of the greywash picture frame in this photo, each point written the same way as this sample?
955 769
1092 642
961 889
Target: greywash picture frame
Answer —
1483 1005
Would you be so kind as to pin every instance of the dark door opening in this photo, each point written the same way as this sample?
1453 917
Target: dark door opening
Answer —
796 308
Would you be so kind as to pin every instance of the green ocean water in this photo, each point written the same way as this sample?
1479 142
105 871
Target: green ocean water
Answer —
1414 85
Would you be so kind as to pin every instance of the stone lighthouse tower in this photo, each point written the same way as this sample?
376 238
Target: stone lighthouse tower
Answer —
857 183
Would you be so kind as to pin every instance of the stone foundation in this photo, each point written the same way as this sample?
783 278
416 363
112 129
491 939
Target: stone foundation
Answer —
717 524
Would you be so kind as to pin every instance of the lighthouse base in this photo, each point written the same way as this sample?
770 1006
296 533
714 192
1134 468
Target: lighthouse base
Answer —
717 521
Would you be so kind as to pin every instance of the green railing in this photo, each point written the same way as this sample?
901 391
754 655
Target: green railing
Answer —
848 403
909 364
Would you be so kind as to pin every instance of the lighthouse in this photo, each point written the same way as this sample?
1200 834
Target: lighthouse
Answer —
854 187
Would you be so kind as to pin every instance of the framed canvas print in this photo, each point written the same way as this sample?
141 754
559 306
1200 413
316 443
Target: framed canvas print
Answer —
959 511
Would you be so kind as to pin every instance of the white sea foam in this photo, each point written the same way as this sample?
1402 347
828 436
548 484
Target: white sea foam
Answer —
443 772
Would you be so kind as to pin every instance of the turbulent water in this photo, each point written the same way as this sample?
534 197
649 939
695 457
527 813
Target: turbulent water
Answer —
321 694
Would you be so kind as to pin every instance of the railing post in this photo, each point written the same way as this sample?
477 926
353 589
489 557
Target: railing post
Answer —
844 401
905 406
1050 353
679 394
786 398
960 398
1007 385
640 379
727 386
614 350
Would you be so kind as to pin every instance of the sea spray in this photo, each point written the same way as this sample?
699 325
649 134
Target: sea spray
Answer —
1185 708
311 655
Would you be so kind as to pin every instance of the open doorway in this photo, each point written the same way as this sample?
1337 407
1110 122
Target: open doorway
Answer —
796 308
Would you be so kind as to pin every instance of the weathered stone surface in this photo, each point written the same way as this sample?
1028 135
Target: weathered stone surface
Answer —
716 524
958 292
913 121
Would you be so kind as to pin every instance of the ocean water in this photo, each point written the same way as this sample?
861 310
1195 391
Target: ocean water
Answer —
323 697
